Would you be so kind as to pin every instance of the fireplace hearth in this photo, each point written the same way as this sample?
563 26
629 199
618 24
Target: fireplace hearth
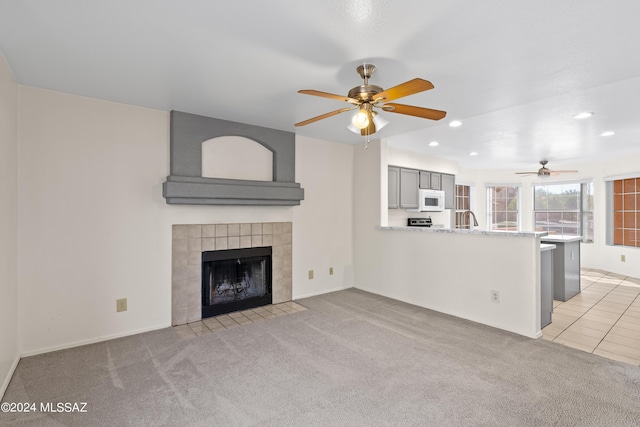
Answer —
235 279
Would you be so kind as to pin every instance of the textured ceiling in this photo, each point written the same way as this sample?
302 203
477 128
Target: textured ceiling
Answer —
514 72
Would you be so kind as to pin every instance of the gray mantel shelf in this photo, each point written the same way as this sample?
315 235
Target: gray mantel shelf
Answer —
185 184
218 191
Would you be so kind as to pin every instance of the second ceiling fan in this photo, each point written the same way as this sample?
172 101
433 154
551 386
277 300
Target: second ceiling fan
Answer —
366 97
544 171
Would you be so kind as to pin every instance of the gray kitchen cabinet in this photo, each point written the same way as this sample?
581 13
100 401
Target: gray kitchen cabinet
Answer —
403 185
425 179
546 283
566 265
409 181
449 187
393 179
436 181
431 180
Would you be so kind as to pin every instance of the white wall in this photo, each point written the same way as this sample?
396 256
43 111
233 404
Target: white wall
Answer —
94 226
596 255
9 344
323 223
450 273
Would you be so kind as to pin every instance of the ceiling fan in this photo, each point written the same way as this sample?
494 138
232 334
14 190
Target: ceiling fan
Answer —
544 171
366 97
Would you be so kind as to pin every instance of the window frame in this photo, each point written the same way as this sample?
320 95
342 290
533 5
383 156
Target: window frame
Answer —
611 210
490 210
466 221
584 215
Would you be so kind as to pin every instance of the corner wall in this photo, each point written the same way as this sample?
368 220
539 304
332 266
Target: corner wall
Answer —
94 226
9 341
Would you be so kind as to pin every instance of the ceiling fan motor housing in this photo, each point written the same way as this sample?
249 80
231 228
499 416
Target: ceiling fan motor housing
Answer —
364 93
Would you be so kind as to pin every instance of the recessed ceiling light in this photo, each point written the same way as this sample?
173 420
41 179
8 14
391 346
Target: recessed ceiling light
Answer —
434 144
473 153
455 123
583 115
608 133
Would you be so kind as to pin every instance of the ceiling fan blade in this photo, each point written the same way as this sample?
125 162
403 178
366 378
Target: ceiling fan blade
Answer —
403 89
329 95
323 116
564 171
425 113
526 173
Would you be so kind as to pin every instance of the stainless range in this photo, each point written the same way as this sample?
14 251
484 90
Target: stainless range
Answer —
419 222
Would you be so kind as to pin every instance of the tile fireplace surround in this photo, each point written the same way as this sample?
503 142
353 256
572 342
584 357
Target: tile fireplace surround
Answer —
190 240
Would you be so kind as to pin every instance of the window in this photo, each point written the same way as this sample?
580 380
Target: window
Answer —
463 203
502 208
565 209
626 212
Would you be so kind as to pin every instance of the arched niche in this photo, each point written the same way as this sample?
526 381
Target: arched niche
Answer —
186 184
236 157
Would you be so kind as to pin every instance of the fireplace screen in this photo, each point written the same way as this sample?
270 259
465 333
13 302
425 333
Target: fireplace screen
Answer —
236 279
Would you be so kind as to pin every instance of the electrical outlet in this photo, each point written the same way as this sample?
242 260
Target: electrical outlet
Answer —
495 296
623 258
330 271
310 274
121 305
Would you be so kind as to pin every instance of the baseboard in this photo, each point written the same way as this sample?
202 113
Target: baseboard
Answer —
93 340
325 291
7 380
535 335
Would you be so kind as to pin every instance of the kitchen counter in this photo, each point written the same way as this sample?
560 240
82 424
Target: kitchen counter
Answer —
461 231
558 238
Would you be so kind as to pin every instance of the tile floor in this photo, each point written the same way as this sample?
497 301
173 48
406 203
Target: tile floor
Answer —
603 319
231 320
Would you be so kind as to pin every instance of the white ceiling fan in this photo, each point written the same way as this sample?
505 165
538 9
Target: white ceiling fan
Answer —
544 171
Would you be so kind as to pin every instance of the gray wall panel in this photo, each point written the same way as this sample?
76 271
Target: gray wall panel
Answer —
185 185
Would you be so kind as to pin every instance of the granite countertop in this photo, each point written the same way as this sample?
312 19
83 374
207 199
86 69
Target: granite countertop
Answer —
460 231
558 238
546 247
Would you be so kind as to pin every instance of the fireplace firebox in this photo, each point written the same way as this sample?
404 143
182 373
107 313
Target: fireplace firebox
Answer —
235 279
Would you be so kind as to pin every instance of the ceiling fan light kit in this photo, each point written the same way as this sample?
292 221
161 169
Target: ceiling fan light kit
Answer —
378 121
366 97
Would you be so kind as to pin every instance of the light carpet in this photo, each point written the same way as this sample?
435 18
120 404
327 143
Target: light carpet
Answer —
352 359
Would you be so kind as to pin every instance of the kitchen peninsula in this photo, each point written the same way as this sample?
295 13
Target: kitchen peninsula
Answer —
489 277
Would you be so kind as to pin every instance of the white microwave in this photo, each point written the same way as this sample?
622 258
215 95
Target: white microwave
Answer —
430 200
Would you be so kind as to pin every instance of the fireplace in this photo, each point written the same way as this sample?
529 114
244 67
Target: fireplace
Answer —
189 241
235 279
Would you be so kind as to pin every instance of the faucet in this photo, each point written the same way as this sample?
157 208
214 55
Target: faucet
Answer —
475 221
